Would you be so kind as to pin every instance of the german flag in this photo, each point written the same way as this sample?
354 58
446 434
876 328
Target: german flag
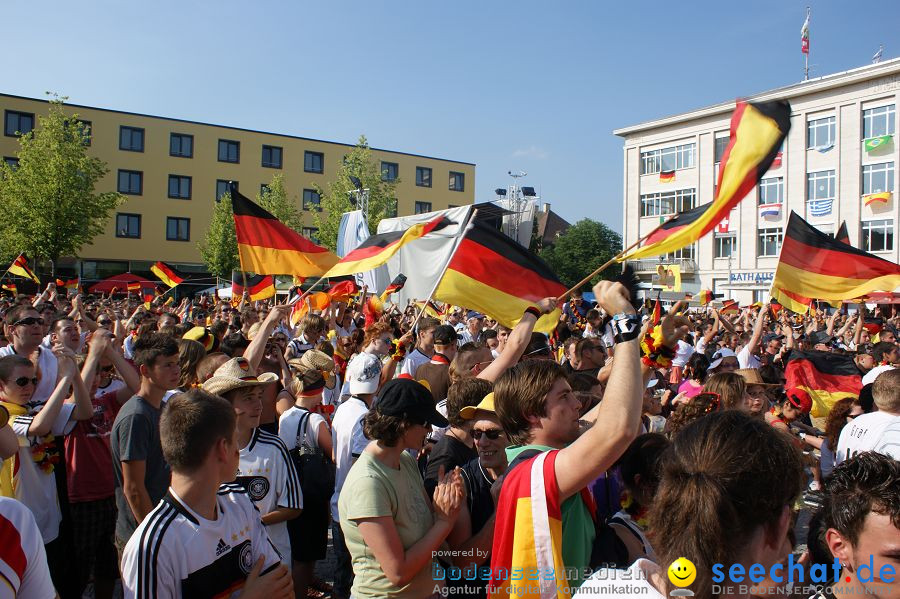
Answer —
792 301
827 377
341 291
148 300
842 234
134 286
395 286
495 275
11 287
314 301
72 284
20 267
268 246
813 264
730 305
372 309
706 296
757 131
667 176
378 249
259 287
657 313
430 309
167 274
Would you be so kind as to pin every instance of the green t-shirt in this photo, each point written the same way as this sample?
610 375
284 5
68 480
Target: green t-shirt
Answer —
578 530
373 489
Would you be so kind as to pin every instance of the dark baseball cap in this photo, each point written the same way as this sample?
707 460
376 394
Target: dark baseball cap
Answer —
409 400
445 335
772 337
818 337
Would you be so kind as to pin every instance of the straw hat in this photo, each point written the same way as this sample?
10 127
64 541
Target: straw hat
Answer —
751 377
485 405
315 370
235 374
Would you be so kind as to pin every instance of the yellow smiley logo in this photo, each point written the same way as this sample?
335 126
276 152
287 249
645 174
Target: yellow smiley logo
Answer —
682 572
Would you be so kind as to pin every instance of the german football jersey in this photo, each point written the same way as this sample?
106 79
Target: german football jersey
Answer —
175 552
23 563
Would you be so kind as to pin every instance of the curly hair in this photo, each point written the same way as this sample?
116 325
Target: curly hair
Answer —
837 420
698 406
387 429
374 331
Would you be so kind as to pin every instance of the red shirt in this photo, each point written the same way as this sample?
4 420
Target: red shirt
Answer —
89 466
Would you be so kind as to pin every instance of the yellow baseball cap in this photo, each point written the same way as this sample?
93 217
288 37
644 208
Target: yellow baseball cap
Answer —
486 404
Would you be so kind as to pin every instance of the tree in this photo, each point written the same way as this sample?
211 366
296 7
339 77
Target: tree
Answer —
581 249
274 199
219 248
335 199
48 204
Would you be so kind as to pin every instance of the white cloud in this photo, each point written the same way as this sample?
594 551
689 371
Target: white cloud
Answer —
532 152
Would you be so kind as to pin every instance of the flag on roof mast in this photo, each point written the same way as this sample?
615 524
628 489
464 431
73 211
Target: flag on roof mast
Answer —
804 35
757 132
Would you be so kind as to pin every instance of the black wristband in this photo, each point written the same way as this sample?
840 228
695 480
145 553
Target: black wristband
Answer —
626 327
534 311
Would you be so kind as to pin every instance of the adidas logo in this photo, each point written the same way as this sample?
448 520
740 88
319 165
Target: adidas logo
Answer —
222 547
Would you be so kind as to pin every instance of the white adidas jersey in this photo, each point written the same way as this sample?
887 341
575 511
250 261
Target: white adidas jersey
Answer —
268 475
177 553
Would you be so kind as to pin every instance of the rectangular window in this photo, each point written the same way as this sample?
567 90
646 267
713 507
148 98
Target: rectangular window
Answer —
685 253
313 162
422 207
222 188
179 187
389 171
312 200
721 144
457 181
667 159
668 202
131 139
181 145
768 242
271 156
229 151
311 233
878 235
423 176
879 121
725 245
771 190
128 225
820 133
17 123
12 161
820 185
178 229
878 177
131 182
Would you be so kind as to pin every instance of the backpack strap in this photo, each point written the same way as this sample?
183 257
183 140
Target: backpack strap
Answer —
303 418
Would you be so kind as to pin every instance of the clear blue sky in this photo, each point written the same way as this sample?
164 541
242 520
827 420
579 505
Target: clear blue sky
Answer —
525 85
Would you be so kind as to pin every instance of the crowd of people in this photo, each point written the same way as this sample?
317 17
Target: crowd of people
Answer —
211 449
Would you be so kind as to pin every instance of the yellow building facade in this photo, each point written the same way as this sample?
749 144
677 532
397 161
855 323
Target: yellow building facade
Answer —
171 171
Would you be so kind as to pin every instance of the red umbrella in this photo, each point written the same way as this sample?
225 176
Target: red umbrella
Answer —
120 282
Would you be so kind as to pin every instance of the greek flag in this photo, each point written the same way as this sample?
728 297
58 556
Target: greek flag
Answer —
820 207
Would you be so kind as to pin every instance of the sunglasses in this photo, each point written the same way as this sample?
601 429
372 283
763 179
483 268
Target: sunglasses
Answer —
492 434
28 321
22 381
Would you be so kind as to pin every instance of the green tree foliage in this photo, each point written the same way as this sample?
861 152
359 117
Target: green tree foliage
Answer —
335 198
48 204
275 200
219 248
581 249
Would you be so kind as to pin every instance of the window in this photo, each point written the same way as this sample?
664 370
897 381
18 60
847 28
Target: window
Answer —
667 159
181 145
179 187
311 233
17 123
771 190
313 162
457 181
768 242
721 144
820 185
820 133
178 229
229 151
685 253
12 161
128 225
389 171
878 121
422 207
878 235
725 245
131 182
878 177
131 139
311 200
423 176
668 202
271 156
222 187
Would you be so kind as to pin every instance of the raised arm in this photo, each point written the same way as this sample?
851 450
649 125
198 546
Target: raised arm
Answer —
516 342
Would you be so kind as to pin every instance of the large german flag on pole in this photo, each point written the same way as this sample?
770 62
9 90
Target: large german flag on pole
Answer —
378 249
167 274
757 131
827 377
813 264
495 275
268 246
259 287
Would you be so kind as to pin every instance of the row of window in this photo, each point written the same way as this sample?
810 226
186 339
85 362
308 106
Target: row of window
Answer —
877 236
667 159
177 228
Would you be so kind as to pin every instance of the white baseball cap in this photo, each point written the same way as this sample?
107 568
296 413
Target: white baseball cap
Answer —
364 373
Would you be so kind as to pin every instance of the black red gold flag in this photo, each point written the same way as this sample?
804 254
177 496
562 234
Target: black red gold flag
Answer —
20 267
843 235
259 287
133 286
167 274
827 377
395 286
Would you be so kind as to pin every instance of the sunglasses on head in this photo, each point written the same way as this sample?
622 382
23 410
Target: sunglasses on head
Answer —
24 380
28 321
492 434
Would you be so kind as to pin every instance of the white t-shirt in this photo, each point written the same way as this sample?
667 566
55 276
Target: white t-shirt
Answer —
267 473
701 344
413 360
176 553
48 370
287 427
873 374
683 353
746 359
349 443
23 562
878 431
113 386
607 583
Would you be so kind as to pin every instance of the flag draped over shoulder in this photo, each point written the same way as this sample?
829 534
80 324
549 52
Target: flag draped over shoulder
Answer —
20 267
167 274
827 377
493 274
268 246
259 287
757 132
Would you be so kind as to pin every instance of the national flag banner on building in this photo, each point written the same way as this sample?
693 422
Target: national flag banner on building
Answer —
819 208
770 210
814 264
395 286
133 286
724 225
259 287
879 198
873 143
493 274
167 274
11 287
777 162
666 176
757 132
827 377
269 247
843 235
378 249
804 35
20 267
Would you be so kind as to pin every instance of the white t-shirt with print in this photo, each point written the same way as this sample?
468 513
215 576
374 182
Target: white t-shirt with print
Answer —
878 432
